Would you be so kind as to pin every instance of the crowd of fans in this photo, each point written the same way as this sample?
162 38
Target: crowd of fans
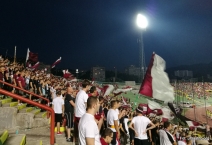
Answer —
90 118
198 89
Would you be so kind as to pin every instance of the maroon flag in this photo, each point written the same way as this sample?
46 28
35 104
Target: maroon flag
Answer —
31 57
56 62
146 86
34 67
67 74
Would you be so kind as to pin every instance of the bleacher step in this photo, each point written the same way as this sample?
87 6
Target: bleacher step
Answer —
19 107
6 100
3 136
36 111
16 139
41 115
34 143
10 104
26 109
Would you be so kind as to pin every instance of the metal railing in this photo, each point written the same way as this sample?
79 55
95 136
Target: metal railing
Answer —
4 92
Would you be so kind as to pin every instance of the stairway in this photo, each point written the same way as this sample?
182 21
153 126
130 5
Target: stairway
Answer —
25 120
14 139
13 115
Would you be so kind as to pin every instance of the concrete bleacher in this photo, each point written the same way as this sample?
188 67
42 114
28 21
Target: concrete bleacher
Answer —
15 117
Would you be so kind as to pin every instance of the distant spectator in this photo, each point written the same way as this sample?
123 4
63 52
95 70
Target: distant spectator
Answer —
58 107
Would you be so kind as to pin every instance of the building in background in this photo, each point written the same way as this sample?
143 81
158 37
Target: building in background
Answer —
133 70
183 73
98 73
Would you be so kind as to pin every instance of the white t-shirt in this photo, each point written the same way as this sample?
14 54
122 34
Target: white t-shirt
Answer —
140 125
58 102
88 128
53 91
164 139
81 99
181 142
111 116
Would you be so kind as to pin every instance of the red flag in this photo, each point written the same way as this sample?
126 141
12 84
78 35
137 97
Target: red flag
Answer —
67 74
31 57
146 86
56 62
34 67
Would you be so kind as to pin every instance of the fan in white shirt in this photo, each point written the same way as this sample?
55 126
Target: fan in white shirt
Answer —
88 129
140 124
80 105
113 121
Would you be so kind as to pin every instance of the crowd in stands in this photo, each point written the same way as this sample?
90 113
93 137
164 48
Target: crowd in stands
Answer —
197 89
90 118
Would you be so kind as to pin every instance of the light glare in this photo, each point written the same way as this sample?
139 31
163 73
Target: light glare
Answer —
142 21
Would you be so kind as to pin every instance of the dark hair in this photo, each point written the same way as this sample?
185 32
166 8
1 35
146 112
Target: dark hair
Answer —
58 92
92 89
106 132
85 83
155 121
166 124
112 103
101 98
91 101
139 110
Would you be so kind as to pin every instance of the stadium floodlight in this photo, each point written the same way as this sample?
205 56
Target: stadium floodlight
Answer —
142 21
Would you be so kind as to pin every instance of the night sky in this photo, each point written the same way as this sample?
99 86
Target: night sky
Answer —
88 33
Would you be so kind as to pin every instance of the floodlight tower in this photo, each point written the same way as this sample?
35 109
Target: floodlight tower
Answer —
142 23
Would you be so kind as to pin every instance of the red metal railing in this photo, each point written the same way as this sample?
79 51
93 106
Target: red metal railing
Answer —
33 103
38 105
33 94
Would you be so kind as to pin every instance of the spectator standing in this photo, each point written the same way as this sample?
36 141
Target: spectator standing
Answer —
58 107
140 124
88 129
69 112
113 121
81 103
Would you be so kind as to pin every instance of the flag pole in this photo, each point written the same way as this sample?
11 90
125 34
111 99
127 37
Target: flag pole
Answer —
203 86
15 55
192 87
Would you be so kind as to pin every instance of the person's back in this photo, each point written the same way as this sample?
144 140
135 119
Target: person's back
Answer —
58 107
58 102
140 124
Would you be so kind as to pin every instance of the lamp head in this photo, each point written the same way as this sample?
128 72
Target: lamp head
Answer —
142 21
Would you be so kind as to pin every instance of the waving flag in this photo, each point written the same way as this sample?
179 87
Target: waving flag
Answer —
120 91
156 82
31 57
67 74
34 67
56 62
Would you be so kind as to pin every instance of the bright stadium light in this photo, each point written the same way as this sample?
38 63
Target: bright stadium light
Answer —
142 21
